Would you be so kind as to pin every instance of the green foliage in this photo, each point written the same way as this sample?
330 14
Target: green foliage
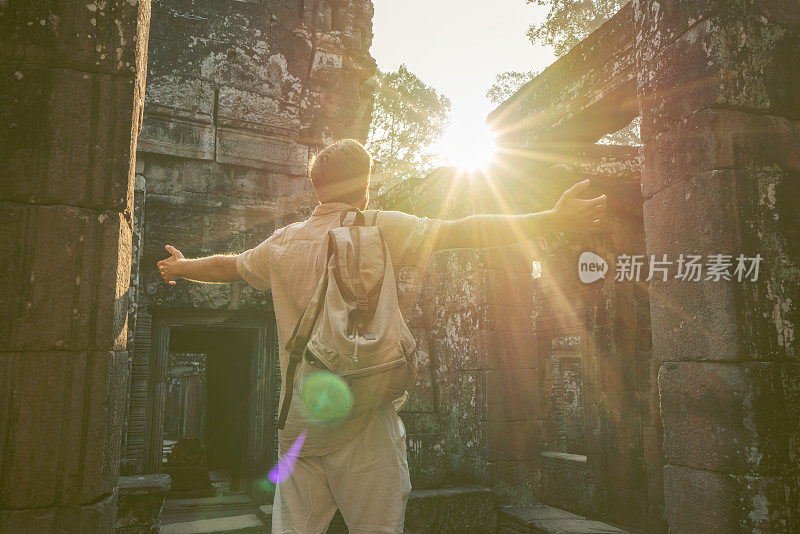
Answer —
408 119
569 21
507 83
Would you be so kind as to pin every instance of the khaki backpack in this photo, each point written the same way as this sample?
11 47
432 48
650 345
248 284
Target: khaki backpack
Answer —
353 326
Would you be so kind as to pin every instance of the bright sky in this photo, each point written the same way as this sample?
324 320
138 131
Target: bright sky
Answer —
457 47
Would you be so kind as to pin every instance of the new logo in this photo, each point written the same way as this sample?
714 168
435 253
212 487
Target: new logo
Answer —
591 267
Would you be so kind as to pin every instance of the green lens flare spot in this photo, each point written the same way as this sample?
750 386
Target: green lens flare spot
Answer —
326 397
266 485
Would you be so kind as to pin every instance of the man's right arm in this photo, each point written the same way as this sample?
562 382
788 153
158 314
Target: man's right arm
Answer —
219 268
482 231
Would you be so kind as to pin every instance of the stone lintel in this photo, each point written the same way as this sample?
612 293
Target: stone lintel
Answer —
588 92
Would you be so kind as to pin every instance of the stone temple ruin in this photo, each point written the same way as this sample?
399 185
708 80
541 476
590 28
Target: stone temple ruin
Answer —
544 405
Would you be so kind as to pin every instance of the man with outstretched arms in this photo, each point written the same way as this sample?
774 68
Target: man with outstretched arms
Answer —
358 465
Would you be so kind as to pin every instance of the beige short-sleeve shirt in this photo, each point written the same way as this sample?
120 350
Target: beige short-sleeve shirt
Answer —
290 263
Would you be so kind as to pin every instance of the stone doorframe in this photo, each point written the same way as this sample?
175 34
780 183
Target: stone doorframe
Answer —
263 381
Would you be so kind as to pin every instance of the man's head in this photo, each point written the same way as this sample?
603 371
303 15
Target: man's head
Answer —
340 173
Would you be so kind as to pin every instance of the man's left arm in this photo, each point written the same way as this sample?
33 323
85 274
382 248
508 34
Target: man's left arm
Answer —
483 231
219 268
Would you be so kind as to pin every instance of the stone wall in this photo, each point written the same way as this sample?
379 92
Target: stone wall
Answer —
72 77
718 86
240 96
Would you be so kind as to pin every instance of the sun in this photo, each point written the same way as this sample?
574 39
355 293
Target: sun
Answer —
468 143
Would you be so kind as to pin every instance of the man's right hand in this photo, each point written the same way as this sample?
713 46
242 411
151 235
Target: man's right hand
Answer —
573 213
169 268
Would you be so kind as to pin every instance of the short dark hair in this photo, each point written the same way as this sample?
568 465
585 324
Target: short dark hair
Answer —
340 172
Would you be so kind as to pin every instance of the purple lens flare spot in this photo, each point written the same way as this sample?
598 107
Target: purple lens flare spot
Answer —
283 469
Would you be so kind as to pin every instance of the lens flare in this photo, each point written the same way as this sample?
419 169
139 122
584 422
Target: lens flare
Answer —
326 397
283 470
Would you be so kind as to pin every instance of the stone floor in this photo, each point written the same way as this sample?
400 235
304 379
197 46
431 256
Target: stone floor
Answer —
458 510
542 519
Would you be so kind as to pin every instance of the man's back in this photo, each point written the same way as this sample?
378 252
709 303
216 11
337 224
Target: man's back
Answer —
291 263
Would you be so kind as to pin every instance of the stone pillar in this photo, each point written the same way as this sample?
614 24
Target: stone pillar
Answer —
719 88
72 80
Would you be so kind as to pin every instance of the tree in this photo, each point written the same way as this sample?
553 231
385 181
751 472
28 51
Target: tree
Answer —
408 118
569 21
507 83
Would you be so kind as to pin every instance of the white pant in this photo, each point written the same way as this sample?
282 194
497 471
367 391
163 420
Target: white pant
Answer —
367 480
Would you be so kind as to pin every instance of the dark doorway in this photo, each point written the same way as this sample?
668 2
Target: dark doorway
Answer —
208 395
213 377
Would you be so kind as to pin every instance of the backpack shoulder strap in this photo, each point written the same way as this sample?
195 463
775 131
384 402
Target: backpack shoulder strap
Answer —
296 346
374 219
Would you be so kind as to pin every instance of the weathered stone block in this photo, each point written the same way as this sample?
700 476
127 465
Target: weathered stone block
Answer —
693 320
177 137
89 37
625 505
663 22
426 460
567 482
513 258
717 416
254 182
511 395
421 396
465 444
421 423
206 178
538 518
185 295
454 338
205 229
769 313
512 440
61 439
327 65
625 472
510 350
294 186
718 139
515 482
697 216
699 500
242 148
76 303
653 447
510 319
161 173
178 97
139 504
94 517
251 111
509 288
656 519
467 510
738 61
455 283
462 394
236 45
65 137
